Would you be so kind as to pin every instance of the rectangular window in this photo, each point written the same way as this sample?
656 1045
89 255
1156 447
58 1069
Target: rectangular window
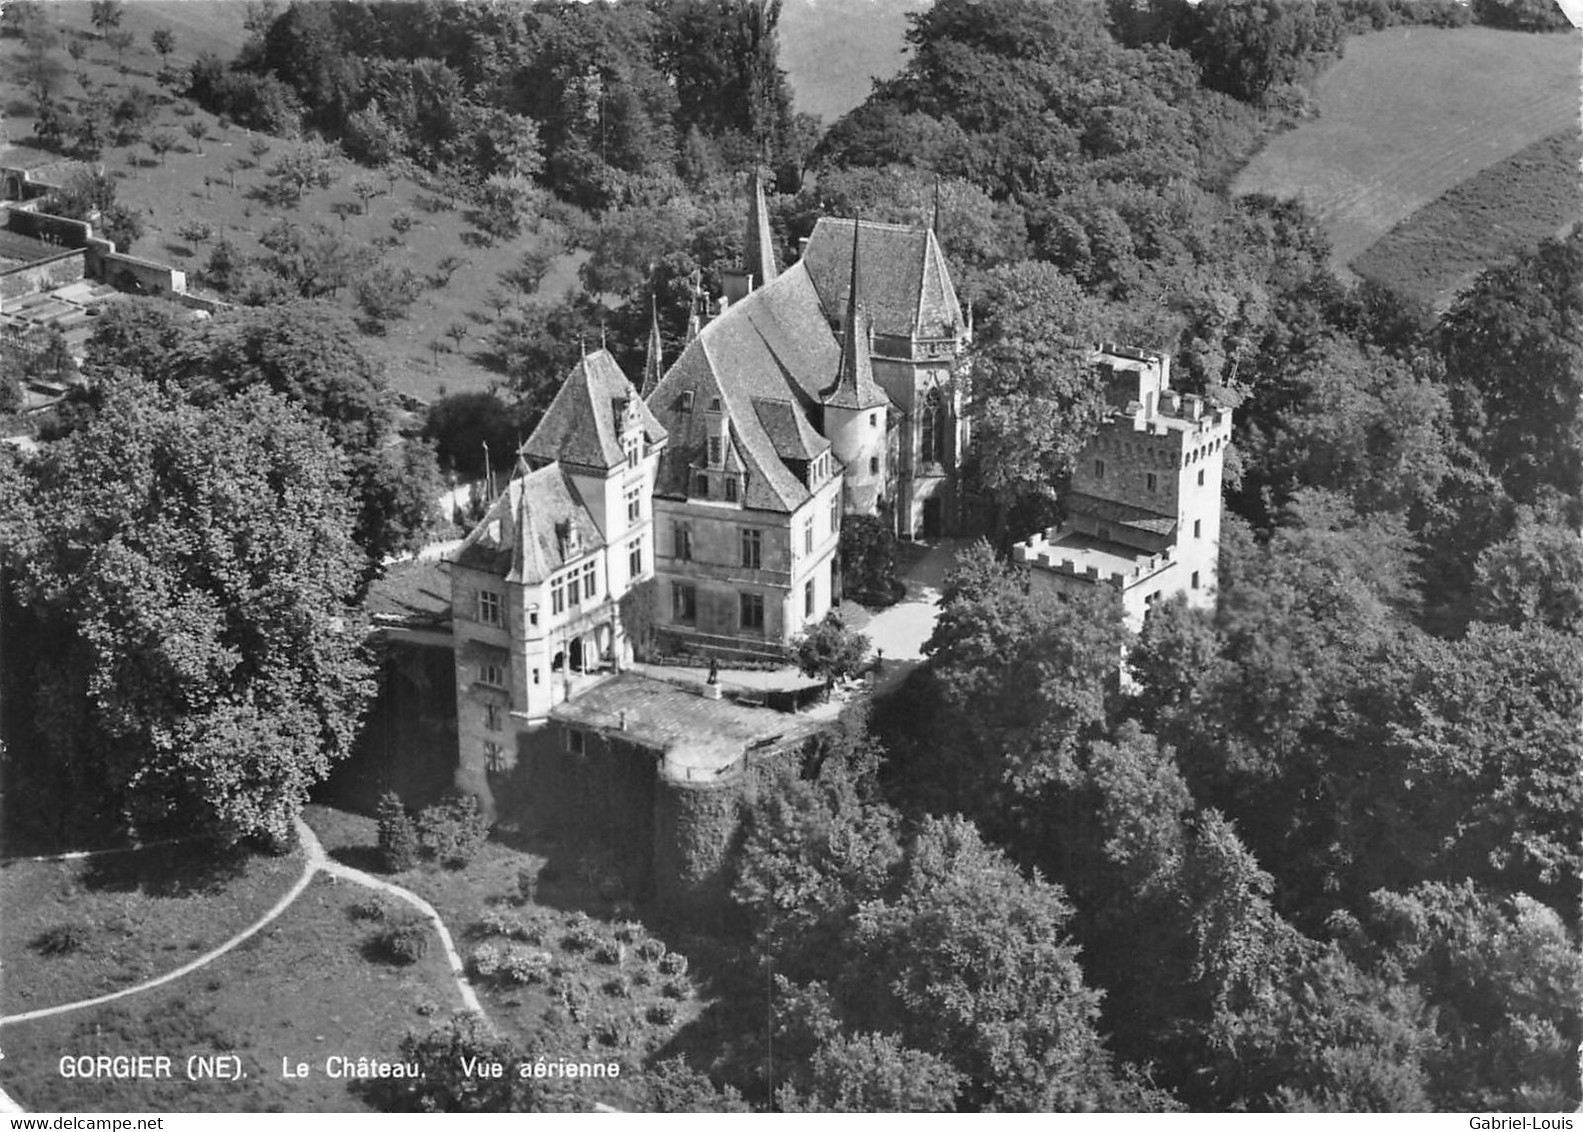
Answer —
494 757
684 602
714 451
535 675
807 536
1195 579
635 558
701 486
835 514
873 420
558 596
731 489
1151 481
682 541
808 599
752 549
753 612
1200 477
634 505
634 449
492 716
590 582
574 741
1198 528
1099 469
873 465
489 611
533 617
492 674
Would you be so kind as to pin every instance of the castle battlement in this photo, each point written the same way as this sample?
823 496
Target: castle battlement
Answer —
1071 555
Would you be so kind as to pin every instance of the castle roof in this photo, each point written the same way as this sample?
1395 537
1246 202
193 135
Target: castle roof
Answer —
583 424
906 285
538 525
759 250
765 360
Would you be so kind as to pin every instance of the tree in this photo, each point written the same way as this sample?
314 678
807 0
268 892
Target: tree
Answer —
868 560
1513 350
1248 47
161 142
164 42
831 651
306 166
106 15
1532 577
190 577
197 130
444 1085
365 189
873 1073
120 40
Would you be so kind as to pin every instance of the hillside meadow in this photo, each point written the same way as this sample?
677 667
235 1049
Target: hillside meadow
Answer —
1410 113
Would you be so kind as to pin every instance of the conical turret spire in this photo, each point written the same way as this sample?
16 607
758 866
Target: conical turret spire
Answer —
854 383
653 359
759 254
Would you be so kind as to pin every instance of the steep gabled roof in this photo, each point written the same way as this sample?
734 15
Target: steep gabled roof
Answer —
773 346
906 284
536 526
789 431
582 425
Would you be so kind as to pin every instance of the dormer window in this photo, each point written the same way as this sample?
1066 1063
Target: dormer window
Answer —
687 400
716 451
731 489
714 404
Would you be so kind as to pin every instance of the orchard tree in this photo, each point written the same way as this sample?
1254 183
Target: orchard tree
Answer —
106 15
188 577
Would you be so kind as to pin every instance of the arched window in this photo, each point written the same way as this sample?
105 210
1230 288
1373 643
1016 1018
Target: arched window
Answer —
932 429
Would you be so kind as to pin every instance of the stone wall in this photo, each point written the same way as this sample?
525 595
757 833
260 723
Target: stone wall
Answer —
42 275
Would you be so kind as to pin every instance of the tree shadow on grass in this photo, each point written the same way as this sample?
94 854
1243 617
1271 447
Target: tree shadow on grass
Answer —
189 869
368 858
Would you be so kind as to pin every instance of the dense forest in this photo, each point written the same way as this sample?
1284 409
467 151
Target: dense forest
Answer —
1318 850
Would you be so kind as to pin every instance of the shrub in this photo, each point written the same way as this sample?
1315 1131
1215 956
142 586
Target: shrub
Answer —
651 949
610 1032
62 939
629 932
403 222
674 988
641 977
453 830
524 964
485 960
372 909
662 1013
579 938
496 922
618 987
398 838
404 943
673 963
609 953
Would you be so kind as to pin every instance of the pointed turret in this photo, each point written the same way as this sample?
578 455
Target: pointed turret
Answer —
653 359
854 384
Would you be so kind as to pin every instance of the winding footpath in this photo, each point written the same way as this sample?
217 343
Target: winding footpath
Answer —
315 860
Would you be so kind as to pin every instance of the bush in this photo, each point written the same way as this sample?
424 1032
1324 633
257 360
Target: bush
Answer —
629 932
868 561
651 949
453 830
609 953
62 939
580 938
674 988
525 964
403 943
485 960
398 838
373 909
674 963
662 1013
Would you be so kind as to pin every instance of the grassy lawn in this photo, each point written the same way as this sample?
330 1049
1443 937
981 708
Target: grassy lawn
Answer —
601 987
1508 207
80 929
218 180
303 989
1408 114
